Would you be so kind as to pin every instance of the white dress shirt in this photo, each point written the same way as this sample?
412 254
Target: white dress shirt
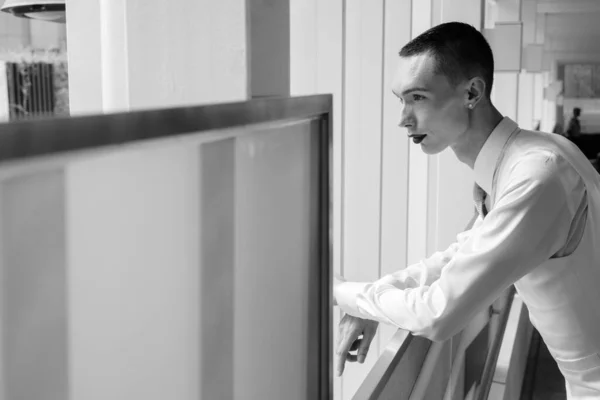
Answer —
536 212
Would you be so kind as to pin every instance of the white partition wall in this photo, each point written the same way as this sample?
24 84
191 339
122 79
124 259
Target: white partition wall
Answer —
191 267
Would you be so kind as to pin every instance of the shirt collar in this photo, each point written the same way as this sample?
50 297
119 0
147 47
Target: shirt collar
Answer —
485 163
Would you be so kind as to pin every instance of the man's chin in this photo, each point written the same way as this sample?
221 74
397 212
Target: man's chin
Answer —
430 150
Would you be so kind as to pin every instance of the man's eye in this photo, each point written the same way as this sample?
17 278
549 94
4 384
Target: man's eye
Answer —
418 97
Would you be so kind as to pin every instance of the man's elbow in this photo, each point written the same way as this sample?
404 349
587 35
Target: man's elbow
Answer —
437 331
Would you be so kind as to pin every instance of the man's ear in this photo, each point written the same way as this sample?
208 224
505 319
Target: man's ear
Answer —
474 92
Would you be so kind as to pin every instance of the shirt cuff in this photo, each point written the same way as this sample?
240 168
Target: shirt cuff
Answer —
346 293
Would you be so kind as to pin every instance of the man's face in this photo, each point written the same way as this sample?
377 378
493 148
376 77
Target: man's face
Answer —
433 110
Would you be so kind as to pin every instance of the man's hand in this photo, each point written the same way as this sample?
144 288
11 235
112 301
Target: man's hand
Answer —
350 331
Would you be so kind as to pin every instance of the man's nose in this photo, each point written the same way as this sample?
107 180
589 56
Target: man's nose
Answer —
406 120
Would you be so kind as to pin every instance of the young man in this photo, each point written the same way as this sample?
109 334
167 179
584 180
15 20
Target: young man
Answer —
539 226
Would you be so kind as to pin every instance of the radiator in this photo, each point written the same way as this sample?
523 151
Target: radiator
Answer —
27 90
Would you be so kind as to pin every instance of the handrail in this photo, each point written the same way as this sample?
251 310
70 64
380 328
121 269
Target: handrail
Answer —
403 357
483 389
403 342
46 136
381 372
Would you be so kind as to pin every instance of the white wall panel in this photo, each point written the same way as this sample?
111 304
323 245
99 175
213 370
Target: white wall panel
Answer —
450 181
362 152
394 150
525 117
419 162
317 66
505 93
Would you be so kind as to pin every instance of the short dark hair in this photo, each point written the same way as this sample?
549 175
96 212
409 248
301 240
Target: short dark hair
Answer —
577 111
460 50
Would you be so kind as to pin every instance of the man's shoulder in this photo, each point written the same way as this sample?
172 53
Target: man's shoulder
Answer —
536 155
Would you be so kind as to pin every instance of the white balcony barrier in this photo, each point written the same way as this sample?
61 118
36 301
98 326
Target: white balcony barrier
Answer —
172 254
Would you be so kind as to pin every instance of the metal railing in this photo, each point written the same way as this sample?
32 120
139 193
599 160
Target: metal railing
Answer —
397 370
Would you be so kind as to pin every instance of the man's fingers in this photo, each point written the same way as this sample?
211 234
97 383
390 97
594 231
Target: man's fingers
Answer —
346 342
347 339
362 352
355 345
341 360
365 343
355 334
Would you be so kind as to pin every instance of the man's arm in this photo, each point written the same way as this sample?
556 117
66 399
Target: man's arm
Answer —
352 328
528 224
424 272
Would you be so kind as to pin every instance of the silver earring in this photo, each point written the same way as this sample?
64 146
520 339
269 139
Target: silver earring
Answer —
471 106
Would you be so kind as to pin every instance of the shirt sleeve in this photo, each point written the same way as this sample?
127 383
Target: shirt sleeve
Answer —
436 298
423 273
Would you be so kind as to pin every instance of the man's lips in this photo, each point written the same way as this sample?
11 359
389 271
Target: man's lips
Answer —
417 138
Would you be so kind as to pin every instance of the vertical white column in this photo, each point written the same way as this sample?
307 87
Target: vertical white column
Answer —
362 147
4 101
364 27
395 144
547 109
148 55
451 183
85 60
538 98
505 93
525 117
317 65
549 112
114 56
419 163
506 42
394 151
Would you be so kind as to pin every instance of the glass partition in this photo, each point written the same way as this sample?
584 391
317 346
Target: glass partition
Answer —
179 253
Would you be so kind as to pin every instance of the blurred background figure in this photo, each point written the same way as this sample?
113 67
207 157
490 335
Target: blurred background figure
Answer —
574 128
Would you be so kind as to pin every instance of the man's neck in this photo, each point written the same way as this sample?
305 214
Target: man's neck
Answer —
482 123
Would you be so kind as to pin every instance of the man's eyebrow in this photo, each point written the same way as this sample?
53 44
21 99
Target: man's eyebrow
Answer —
415 89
